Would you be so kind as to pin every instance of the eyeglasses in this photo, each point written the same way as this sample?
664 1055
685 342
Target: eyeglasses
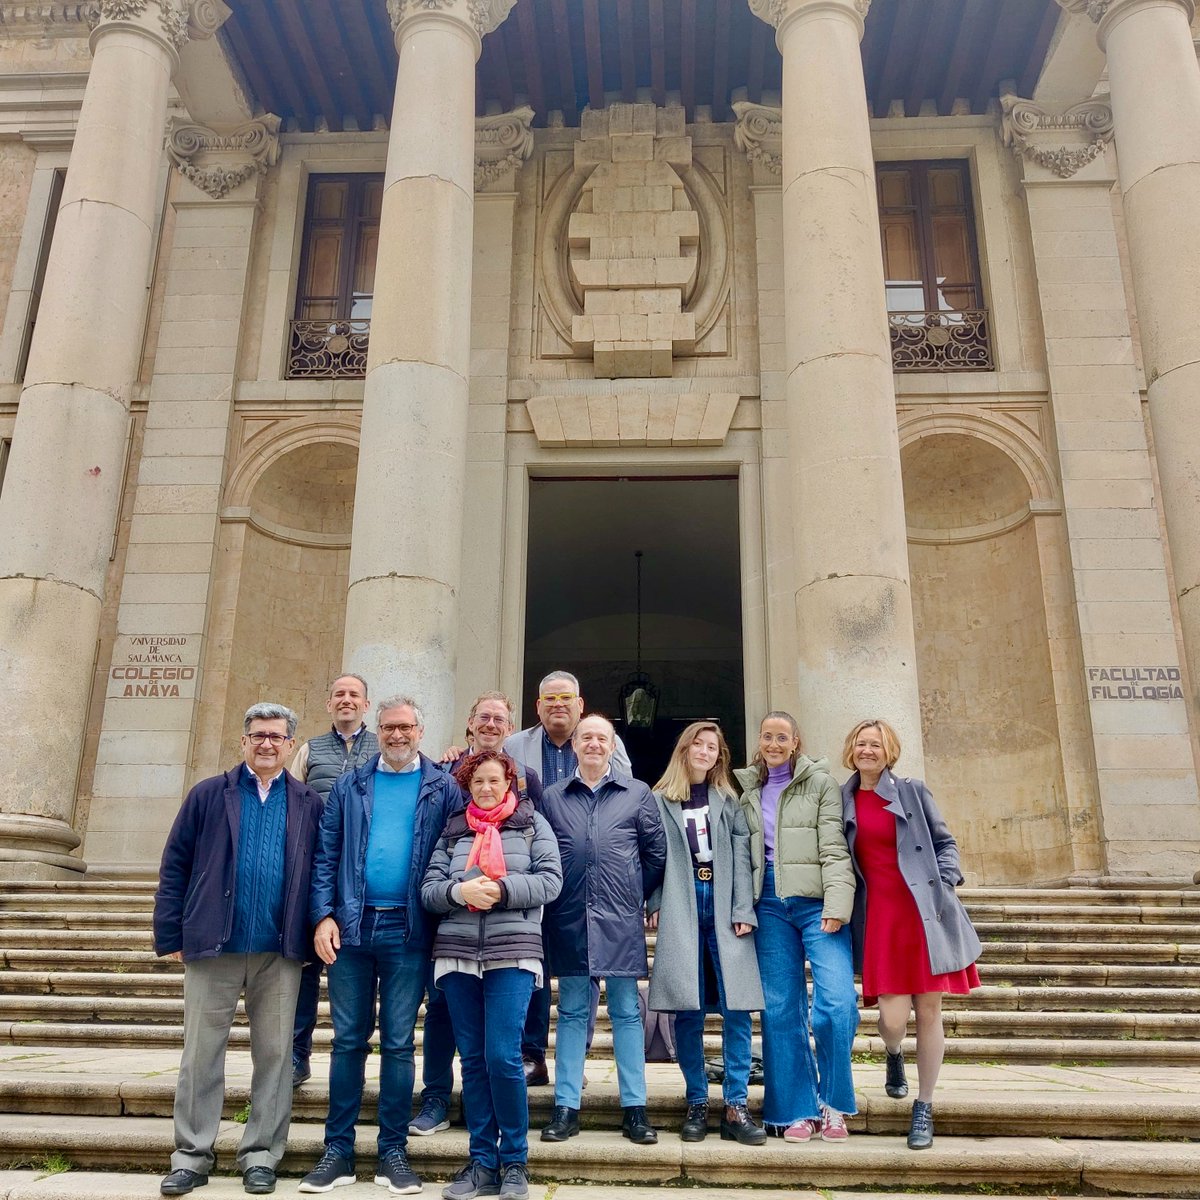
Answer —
260 739
403 728
560 697
482 719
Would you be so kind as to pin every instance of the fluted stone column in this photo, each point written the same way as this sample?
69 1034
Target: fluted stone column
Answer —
1155 89
402 604
856 648
64 479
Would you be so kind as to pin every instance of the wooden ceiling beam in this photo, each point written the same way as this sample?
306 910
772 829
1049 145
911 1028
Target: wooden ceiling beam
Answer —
899 53
687 58
501 74
531 58
937 15
566 67
960 53
999 56
382 41
658 54
263 28
595 53
363 67
722 47
625 29
881 28
1037 54
251 64
758 57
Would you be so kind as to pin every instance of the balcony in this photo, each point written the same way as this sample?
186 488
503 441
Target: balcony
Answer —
328 349
941 341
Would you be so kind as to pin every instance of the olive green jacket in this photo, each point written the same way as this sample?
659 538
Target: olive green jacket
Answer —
811 856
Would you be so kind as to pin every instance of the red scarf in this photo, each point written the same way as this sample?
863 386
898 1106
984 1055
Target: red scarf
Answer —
486 851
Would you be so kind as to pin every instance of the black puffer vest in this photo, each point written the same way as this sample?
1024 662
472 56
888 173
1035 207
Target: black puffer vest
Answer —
329 757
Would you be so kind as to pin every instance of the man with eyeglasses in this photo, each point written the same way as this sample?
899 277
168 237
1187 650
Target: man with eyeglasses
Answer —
378 832
346 745
545 749
232 904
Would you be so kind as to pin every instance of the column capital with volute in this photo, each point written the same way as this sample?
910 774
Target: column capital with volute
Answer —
1107 13
170 22
780 13
480 17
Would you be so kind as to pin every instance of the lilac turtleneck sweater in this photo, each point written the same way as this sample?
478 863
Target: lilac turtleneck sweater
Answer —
777 779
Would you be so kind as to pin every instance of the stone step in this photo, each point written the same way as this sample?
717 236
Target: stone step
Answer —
108 1010
966 1112
1034 1046
1158 1168
111 986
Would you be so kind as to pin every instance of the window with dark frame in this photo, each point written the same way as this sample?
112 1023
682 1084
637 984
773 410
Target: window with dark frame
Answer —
936 313
337 277
39 275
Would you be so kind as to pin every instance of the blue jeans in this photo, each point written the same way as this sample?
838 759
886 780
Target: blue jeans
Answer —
735 1023
383 962
789 931
629 1040
306 1011
487 1015
437 1047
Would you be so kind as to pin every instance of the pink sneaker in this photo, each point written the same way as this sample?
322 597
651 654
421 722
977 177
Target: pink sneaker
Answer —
802 1131
832 1126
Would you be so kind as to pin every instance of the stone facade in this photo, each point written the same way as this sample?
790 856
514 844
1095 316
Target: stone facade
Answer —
1001 562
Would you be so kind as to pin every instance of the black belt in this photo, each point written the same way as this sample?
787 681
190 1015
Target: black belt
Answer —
704 873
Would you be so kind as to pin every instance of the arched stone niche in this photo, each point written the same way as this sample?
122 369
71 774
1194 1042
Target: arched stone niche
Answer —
989 722
288 536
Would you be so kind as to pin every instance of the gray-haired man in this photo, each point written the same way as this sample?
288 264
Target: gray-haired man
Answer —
232 903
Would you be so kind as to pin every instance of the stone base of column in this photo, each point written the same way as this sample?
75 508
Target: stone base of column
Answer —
37 848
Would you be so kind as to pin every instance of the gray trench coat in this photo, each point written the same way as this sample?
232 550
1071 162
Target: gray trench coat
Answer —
675 978
928 857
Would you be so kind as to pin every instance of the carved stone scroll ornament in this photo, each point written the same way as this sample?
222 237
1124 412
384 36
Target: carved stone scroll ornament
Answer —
758 134
484 15
502 143
1022 121
180 19
217 162
772 11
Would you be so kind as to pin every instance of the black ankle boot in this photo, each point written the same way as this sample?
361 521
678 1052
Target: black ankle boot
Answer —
695 1124
896 1084
637 1128
920 1133
737 1125
564 1124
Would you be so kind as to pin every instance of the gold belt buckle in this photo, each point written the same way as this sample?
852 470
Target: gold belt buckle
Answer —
704 874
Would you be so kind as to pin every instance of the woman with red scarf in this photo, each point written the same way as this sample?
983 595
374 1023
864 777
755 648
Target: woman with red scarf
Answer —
495 866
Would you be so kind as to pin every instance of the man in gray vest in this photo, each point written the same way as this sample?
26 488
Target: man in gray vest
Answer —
347 745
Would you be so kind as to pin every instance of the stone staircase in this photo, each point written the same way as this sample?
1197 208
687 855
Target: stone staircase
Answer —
1076 1067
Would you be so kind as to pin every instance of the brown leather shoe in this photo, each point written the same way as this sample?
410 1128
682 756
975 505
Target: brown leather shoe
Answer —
536 1072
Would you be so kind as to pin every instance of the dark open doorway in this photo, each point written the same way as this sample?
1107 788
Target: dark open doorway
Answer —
580 610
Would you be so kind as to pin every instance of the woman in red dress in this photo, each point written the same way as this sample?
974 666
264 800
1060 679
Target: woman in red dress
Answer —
913 940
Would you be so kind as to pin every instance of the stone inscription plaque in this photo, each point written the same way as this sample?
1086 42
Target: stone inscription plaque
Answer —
1134 683
153 667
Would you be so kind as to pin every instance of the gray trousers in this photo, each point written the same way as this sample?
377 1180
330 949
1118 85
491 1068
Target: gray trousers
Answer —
211 988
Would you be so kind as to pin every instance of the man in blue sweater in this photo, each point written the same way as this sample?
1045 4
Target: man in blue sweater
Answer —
232 904
380 826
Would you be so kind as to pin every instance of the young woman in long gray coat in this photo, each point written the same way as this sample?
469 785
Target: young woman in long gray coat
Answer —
913 940
705 911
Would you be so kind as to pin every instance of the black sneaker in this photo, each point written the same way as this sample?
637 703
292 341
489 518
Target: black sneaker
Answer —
395 1173
473 1180
514 1182
334 1170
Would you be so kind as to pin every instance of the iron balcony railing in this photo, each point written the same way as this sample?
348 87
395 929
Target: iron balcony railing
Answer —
328 349
941 341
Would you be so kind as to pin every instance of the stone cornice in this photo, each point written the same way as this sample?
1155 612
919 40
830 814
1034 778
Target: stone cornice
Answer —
1031 132
758 134
483 15
217 161
47 18
502 143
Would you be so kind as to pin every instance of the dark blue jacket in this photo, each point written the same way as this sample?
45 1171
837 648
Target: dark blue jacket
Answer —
193 907
339 872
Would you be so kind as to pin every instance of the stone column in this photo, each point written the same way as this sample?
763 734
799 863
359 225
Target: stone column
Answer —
1155 85
1144 775
154 675
64 478
857 656
402 604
